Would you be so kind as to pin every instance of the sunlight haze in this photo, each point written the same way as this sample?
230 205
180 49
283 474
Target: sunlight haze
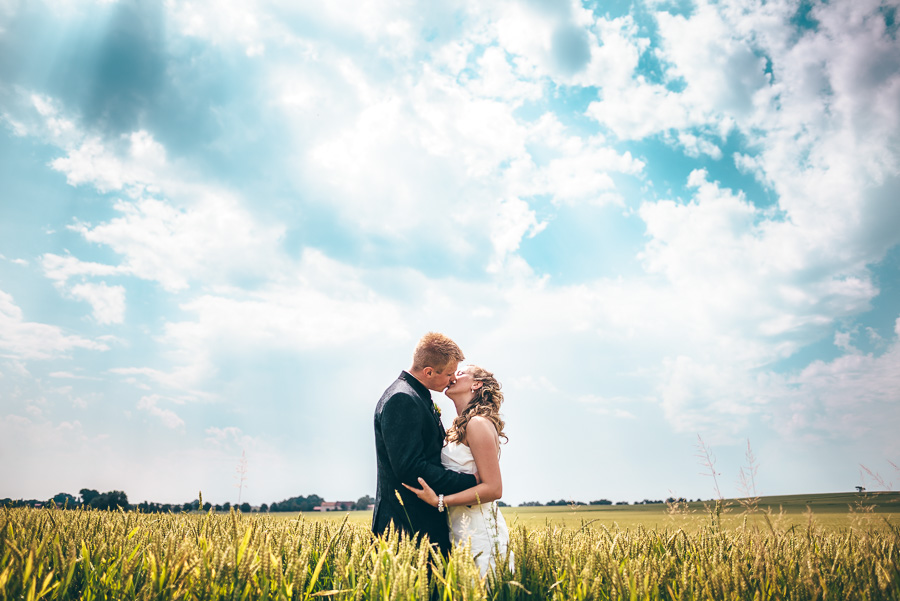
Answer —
224 225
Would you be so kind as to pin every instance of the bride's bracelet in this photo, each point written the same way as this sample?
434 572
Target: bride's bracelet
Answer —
440 503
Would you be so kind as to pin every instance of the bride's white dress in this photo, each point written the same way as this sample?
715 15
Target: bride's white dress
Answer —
482 524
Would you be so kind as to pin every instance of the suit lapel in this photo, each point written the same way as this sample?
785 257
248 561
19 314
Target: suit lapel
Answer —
425 396
435 415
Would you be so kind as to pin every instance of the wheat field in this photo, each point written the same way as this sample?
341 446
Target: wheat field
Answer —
94 555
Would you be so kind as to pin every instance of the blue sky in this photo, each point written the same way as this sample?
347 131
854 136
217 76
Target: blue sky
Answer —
224 226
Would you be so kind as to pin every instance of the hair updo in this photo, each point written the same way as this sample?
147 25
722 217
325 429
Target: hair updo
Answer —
486 403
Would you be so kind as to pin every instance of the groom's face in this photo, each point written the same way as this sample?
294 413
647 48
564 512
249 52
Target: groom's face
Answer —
440 380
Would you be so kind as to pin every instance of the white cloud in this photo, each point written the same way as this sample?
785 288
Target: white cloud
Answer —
45 447
53 124
714 397
17 368
224 23
617 59
574 169
822 122
395 154
410 128
54 456
585 176
389 30
549 39
229 438
612 406
394 151
630 106
30 340
736 267
749 164
38 433
643 110
130 163
855 396
108 302
694 146
71 376
842 340
182 377
324 307
196 233
874 336
498 78
419 163
21 262
212 239
169 418
738 292
513 221
828 147
61 268
92 163
722 71
454 149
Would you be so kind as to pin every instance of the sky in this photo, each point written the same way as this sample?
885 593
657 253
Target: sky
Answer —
224 225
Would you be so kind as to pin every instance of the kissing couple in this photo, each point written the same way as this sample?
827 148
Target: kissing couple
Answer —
443 485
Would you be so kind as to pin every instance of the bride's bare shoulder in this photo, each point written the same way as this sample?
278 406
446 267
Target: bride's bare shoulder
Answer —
481 426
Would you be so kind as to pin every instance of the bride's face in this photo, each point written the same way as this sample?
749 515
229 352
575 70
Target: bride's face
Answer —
465 382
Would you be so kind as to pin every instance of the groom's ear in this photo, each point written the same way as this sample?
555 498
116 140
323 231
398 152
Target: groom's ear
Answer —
428 371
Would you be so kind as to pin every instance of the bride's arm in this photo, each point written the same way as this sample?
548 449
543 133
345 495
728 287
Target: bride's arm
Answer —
482 440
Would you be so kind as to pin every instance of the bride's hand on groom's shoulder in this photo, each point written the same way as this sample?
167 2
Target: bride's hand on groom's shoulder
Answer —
425 493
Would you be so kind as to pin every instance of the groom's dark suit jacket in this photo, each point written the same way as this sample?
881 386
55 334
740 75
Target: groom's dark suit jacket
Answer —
408 441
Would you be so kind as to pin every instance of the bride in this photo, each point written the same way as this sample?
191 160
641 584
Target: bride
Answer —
473 445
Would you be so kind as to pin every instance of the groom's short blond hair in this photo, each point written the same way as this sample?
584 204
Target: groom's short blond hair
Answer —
436 350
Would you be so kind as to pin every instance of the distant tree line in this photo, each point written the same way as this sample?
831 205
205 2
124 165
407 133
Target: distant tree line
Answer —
300 503
309 503
115 499
563 502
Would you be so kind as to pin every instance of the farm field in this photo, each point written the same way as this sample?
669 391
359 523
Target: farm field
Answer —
564 554
834 510
838 510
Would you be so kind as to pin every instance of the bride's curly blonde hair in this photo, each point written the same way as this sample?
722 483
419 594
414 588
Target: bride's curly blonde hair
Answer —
486 403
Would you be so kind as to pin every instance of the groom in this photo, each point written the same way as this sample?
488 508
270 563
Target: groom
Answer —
408 440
